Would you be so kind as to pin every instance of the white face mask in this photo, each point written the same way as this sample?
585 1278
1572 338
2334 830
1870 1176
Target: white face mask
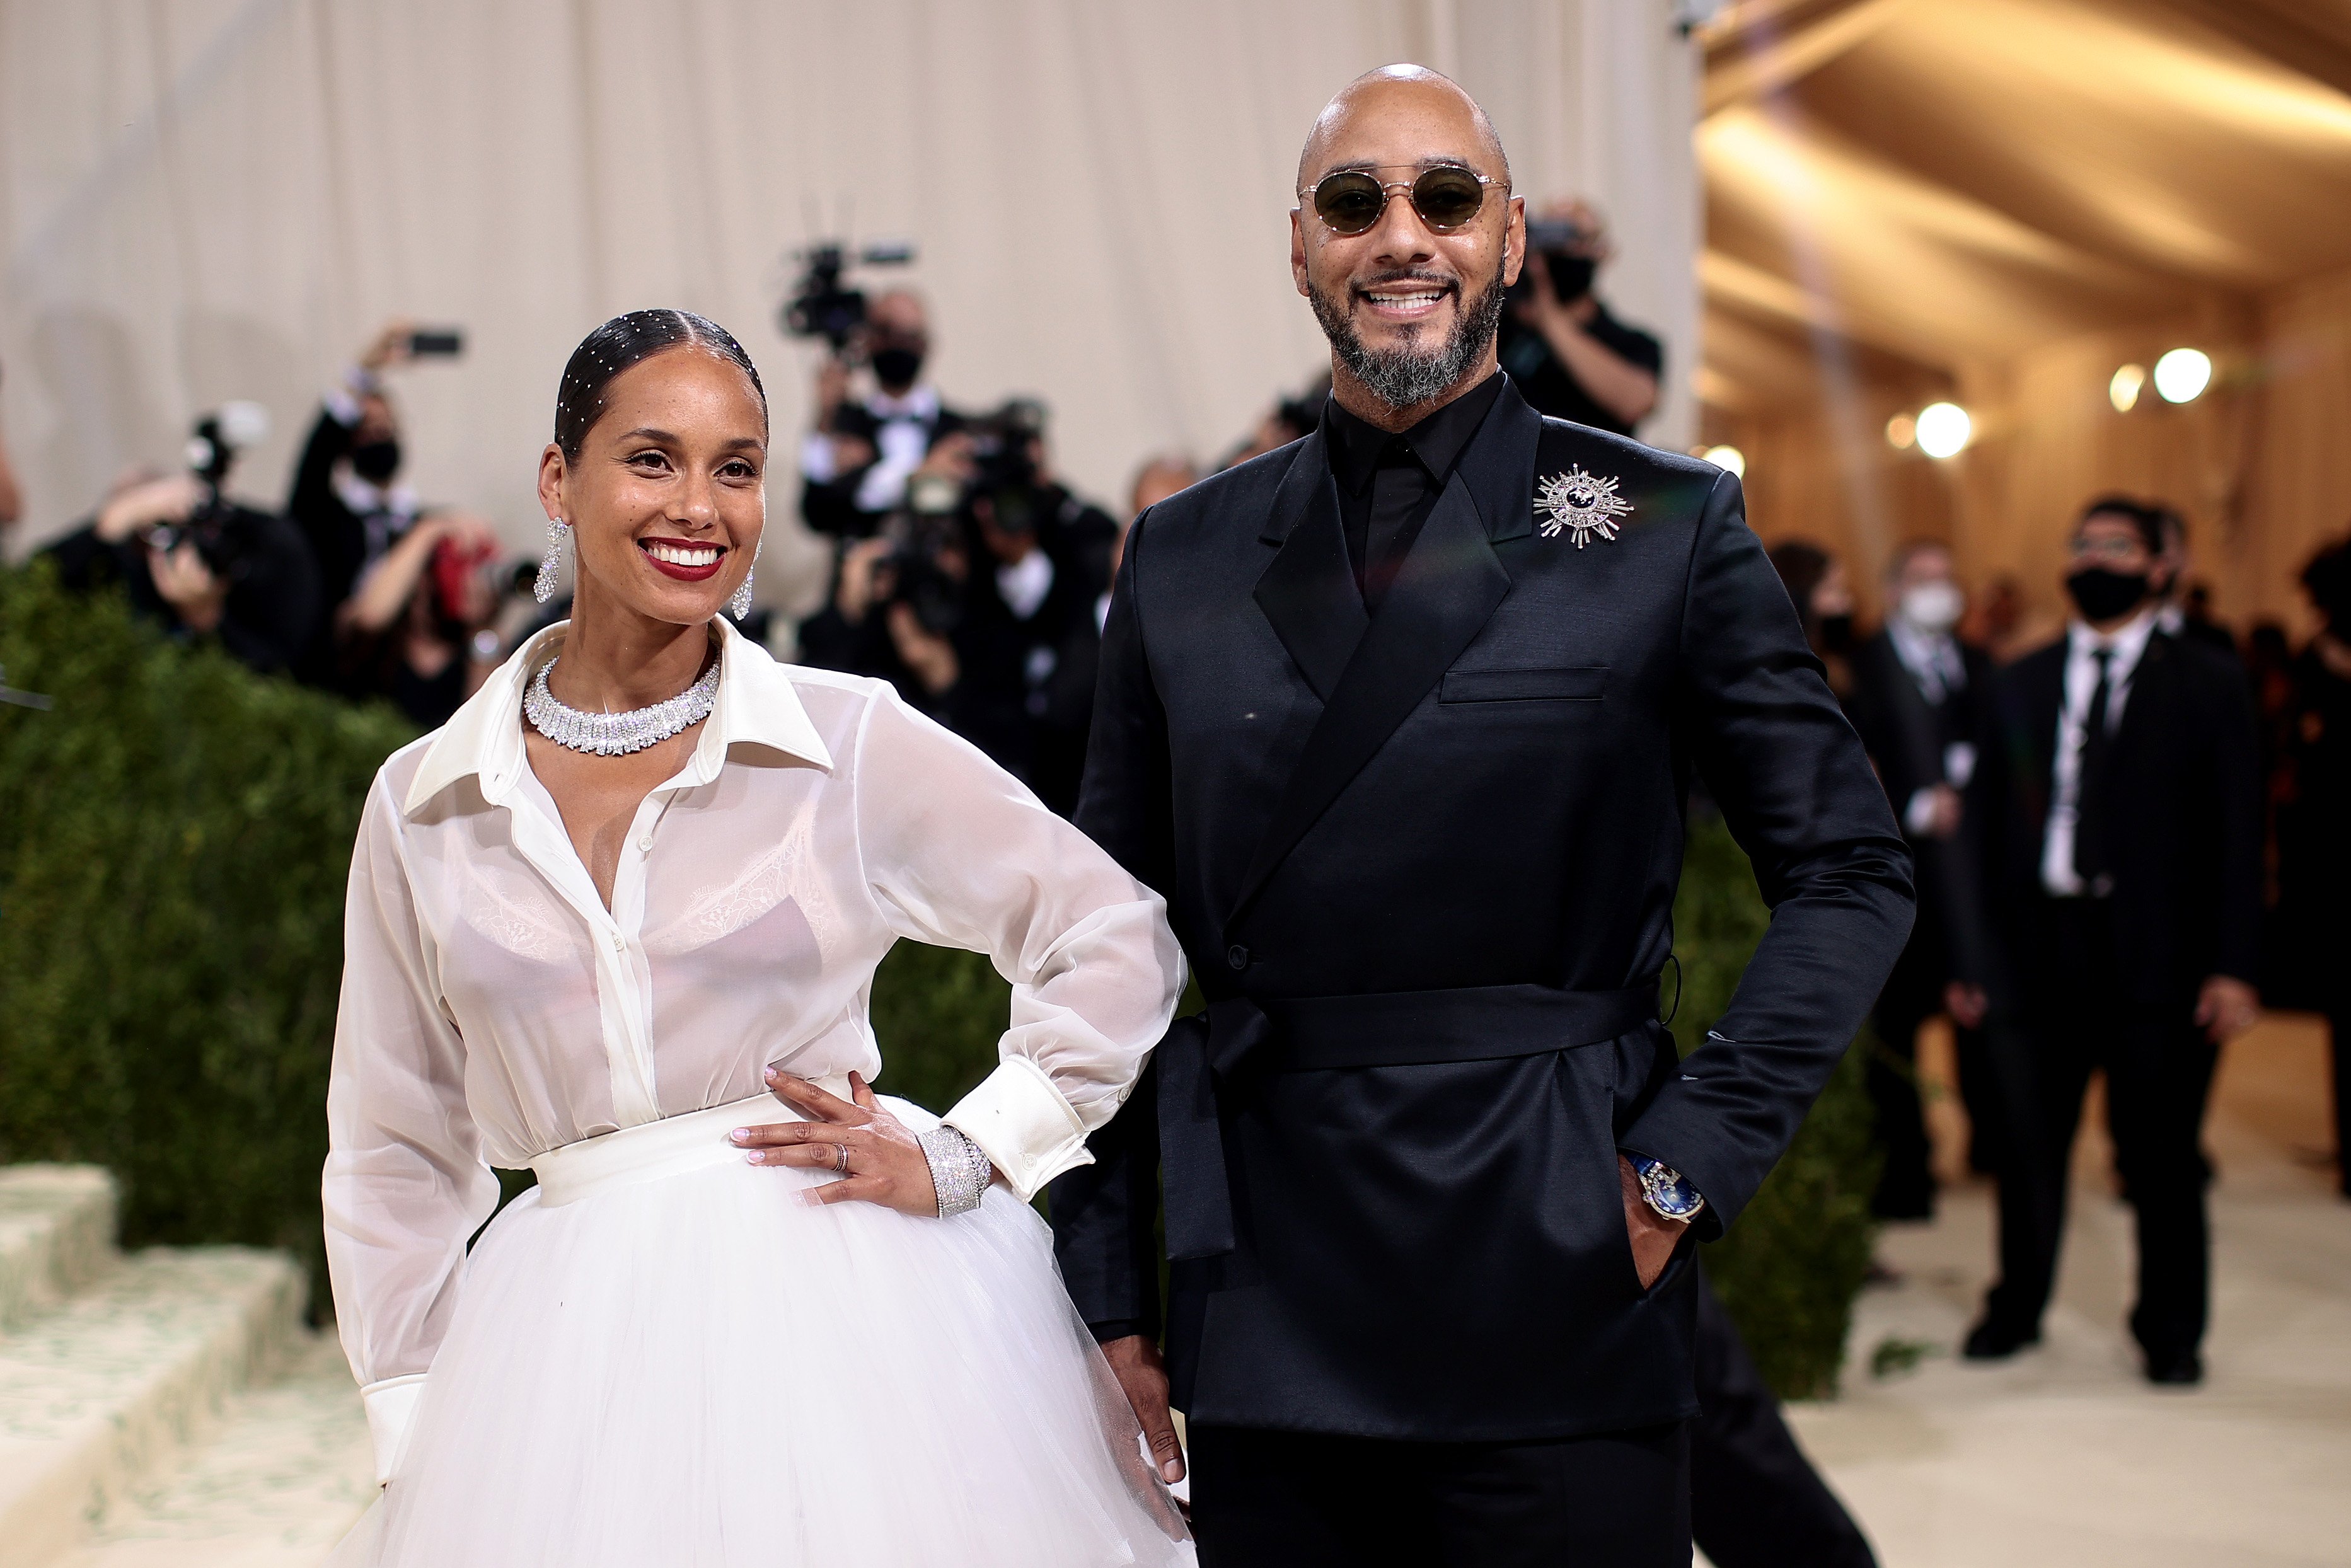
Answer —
1932 606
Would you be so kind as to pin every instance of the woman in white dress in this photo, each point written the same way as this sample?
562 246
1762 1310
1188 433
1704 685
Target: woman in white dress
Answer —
627 904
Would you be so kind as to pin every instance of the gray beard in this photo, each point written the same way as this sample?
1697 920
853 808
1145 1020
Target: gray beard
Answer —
1406 376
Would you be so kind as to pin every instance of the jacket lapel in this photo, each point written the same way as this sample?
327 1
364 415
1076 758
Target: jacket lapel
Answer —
1309 592
1449 586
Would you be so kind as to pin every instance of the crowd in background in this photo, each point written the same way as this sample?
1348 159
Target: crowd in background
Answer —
2126 839
966 572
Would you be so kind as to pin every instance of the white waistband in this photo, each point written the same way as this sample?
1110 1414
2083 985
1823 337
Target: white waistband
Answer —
671 1146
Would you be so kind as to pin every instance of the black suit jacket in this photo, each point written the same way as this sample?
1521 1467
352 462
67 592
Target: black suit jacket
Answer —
1481 787
1906 736
2186 835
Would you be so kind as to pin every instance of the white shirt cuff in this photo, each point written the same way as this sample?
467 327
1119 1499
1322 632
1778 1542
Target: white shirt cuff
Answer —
1921 813
1026 1128
391 1414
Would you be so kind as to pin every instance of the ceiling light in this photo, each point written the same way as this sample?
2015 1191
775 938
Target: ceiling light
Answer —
2182 374
1943 429
1728 457
1902 432
2123 389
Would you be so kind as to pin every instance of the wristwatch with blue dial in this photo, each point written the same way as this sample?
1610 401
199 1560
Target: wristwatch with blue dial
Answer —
1663 1189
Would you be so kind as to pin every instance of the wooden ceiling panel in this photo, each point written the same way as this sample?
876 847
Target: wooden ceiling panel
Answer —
2147 139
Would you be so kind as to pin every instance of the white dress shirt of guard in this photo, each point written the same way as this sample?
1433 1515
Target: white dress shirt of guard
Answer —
2126 643
493 1008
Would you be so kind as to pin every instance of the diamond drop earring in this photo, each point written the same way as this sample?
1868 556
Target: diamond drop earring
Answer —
739 603
551 563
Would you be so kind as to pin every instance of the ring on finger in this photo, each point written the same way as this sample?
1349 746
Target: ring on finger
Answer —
841 1158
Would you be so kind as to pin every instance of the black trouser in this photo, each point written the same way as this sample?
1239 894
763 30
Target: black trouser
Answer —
2159 1067
1913 994
1302 1499
1755 1500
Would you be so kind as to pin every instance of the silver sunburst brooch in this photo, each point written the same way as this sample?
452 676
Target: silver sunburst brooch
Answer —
1582 504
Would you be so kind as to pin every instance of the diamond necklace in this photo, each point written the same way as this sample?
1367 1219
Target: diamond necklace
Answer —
617 734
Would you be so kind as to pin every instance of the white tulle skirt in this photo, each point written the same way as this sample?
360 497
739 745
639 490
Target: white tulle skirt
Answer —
696 1367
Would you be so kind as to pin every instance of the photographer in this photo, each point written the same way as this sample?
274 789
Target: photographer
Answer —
200 564
891 604
857 461
1042 559
1569 356
347 499
416 631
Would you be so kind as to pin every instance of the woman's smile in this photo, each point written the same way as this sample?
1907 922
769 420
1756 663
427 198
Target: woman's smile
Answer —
684 559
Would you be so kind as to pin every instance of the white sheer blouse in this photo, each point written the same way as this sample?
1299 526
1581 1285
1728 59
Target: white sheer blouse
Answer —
493 1008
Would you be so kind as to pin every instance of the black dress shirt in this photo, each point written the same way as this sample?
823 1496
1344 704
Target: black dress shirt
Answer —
1388 484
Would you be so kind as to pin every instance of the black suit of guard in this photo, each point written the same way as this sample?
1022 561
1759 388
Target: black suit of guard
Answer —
1423 861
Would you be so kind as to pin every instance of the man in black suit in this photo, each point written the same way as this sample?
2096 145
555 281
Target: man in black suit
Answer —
2131 859
1922 703
1401 718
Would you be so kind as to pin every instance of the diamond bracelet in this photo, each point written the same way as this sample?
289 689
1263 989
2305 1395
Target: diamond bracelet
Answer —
960 1169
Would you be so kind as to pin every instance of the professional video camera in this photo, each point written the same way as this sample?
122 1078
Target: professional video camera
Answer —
821 305
214 526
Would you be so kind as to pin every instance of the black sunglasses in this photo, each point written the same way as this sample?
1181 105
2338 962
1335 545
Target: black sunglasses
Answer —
1447 198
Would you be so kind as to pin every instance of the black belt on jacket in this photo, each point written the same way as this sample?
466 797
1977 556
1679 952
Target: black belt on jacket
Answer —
1242 1036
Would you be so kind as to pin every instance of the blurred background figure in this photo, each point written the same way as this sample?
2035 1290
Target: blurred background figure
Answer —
1922 702
2313 857
201 564
2132 825
347 498
418 629
1571 357
1994 621
1042 558
1817 587
12 500
865 447
2186 608
1288 419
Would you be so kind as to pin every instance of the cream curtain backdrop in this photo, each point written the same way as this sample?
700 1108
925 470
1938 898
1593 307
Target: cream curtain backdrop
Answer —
216 199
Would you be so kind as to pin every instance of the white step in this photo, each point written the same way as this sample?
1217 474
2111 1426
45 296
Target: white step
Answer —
286 1473
56 1234
98 1393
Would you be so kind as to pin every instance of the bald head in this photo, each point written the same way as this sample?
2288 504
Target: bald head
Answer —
1414 94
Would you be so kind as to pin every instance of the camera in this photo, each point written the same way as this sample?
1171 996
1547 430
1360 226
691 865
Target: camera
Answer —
1560 241
822 305
213 526
1003 461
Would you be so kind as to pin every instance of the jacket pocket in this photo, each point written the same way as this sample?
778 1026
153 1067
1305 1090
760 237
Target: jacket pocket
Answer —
1584 685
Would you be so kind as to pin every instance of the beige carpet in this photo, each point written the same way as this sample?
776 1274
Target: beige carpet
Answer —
2064 1455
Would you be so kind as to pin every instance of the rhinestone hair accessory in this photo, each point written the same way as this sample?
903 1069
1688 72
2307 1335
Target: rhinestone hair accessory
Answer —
617 734
960 1169
622 343
542 587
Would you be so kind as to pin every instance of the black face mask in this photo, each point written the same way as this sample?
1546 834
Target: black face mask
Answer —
896 368
1571 276
376 461
1837 634
2103 595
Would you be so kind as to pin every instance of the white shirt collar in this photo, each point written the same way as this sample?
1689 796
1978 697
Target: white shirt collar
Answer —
918 402
2128 642
757 705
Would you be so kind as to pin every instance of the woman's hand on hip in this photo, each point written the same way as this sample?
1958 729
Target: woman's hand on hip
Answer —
876 1155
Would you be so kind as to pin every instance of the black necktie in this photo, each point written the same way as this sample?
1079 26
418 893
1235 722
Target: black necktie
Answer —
2090 857
1399 485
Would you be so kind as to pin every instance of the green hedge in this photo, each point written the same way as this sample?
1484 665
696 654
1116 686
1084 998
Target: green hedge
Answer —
174 836
1789 1270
